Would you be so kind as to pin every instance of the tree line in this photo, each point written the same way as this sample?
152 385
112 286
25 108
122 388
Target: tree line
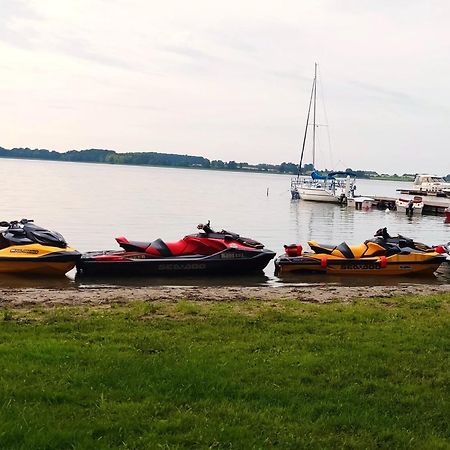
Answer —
108 157
169 160
143 159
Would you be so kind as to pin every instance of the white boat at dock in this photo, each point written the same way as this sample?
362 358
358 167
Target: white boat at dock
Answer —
431 184
360 203
410 206
431 204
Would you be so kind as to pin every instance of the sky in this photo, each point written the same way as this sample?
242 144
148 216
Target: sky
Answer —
231 80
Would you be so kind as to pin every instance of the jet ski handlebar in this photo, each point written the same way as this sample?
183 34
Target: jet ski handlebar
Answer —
205 227
15 223
208 230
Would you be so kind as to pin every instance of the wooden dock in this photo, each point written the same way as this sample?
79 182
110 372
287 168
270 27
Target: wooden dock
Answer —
440 194
431 204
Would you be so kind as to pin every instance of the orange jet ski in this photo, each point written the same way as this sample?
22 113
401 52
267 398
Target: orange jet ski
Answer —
27 248
382 255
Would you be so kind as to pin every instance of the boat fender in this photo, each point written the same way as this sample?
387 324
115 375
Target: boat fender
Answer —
323 262
383 262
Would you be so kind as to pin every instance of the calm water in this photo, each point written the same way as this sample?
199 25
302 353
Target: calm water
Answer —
90 204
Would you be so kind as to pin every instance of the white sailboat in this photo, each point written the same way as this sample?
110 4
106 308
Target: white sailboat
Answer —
335 187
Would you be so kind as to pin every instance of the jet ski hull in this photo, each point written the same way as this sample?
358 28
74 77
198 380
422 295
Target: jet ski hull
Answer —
229 261
391 265
37 259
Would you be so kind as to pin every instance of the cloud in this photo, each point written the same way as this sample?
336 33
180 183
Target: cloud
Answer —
388 94
406 101
16 19
83 49
191 53
231 80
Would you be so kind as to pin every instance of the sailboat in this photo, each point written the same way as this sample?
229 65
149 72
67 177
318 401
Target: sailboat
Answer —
335 187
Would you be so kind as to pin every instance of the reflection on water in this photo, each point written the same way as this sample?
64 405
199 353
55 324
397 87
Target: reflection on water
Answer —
8 281
90 204
254 280
441 277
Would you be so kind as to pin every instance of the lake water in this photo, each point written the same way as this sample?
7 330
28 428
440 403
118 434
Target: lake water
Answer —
90 204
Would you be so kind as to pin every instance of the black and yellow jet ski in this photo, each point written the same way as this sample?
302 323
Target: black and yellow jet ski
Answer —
27 248
382 255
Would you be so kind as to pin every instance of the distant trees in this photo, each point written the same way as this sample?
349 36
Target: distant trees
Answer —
168 160
288 168
361 173
110 157
217 164
92 155
28 153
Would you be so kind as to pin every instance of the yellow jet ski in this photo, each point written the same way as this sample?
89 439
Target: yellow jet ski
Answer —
29 249
382 255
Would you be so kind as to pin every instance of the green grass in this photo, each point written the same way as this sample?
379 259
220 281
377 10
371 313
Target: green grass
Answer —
235 375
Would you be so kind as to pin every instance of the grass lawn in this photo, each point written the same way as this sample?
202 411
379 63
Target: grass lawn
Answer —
373 373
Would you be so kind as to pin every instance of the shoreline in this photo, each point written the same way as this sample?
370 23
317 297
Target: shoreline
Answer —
108 296
250 170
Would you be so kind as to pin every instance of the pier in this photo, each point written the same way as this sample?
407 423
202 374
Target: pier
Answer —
431 204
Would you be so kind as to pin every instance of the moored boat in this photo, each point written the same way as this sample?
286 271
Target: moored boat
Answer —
206 252
26 248
382 255
431 184
334 187
360 203
409 206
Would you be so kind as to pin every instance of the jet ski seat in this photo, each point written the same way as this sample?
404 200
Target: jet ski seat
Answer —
157 247
160 246
343 250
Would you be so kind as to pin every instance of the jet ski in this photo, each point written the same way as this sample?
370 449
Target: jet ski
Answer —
446 251
28 248
208 251
382 255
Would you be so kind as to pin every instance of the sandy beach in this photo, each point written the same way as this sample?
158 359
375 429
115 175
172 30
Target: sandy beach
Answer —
104 296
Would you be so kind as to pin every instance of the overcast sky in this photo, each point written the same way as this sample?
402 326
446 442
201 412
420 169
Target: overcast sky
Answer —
230 80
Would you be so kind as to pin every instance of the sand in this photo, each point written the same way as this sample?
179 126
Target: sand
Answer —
103 296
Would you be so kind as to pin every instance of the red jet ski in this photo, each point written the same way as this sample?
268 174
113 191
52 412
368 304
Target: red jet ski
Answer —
205 252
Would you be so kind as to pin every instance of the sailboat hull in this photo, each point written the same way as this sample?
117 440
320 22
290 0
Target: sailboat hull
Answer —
317 195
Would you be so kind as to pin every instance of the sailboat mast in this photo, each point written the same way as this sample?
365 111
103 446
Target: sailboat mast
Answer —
306 128
314 118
